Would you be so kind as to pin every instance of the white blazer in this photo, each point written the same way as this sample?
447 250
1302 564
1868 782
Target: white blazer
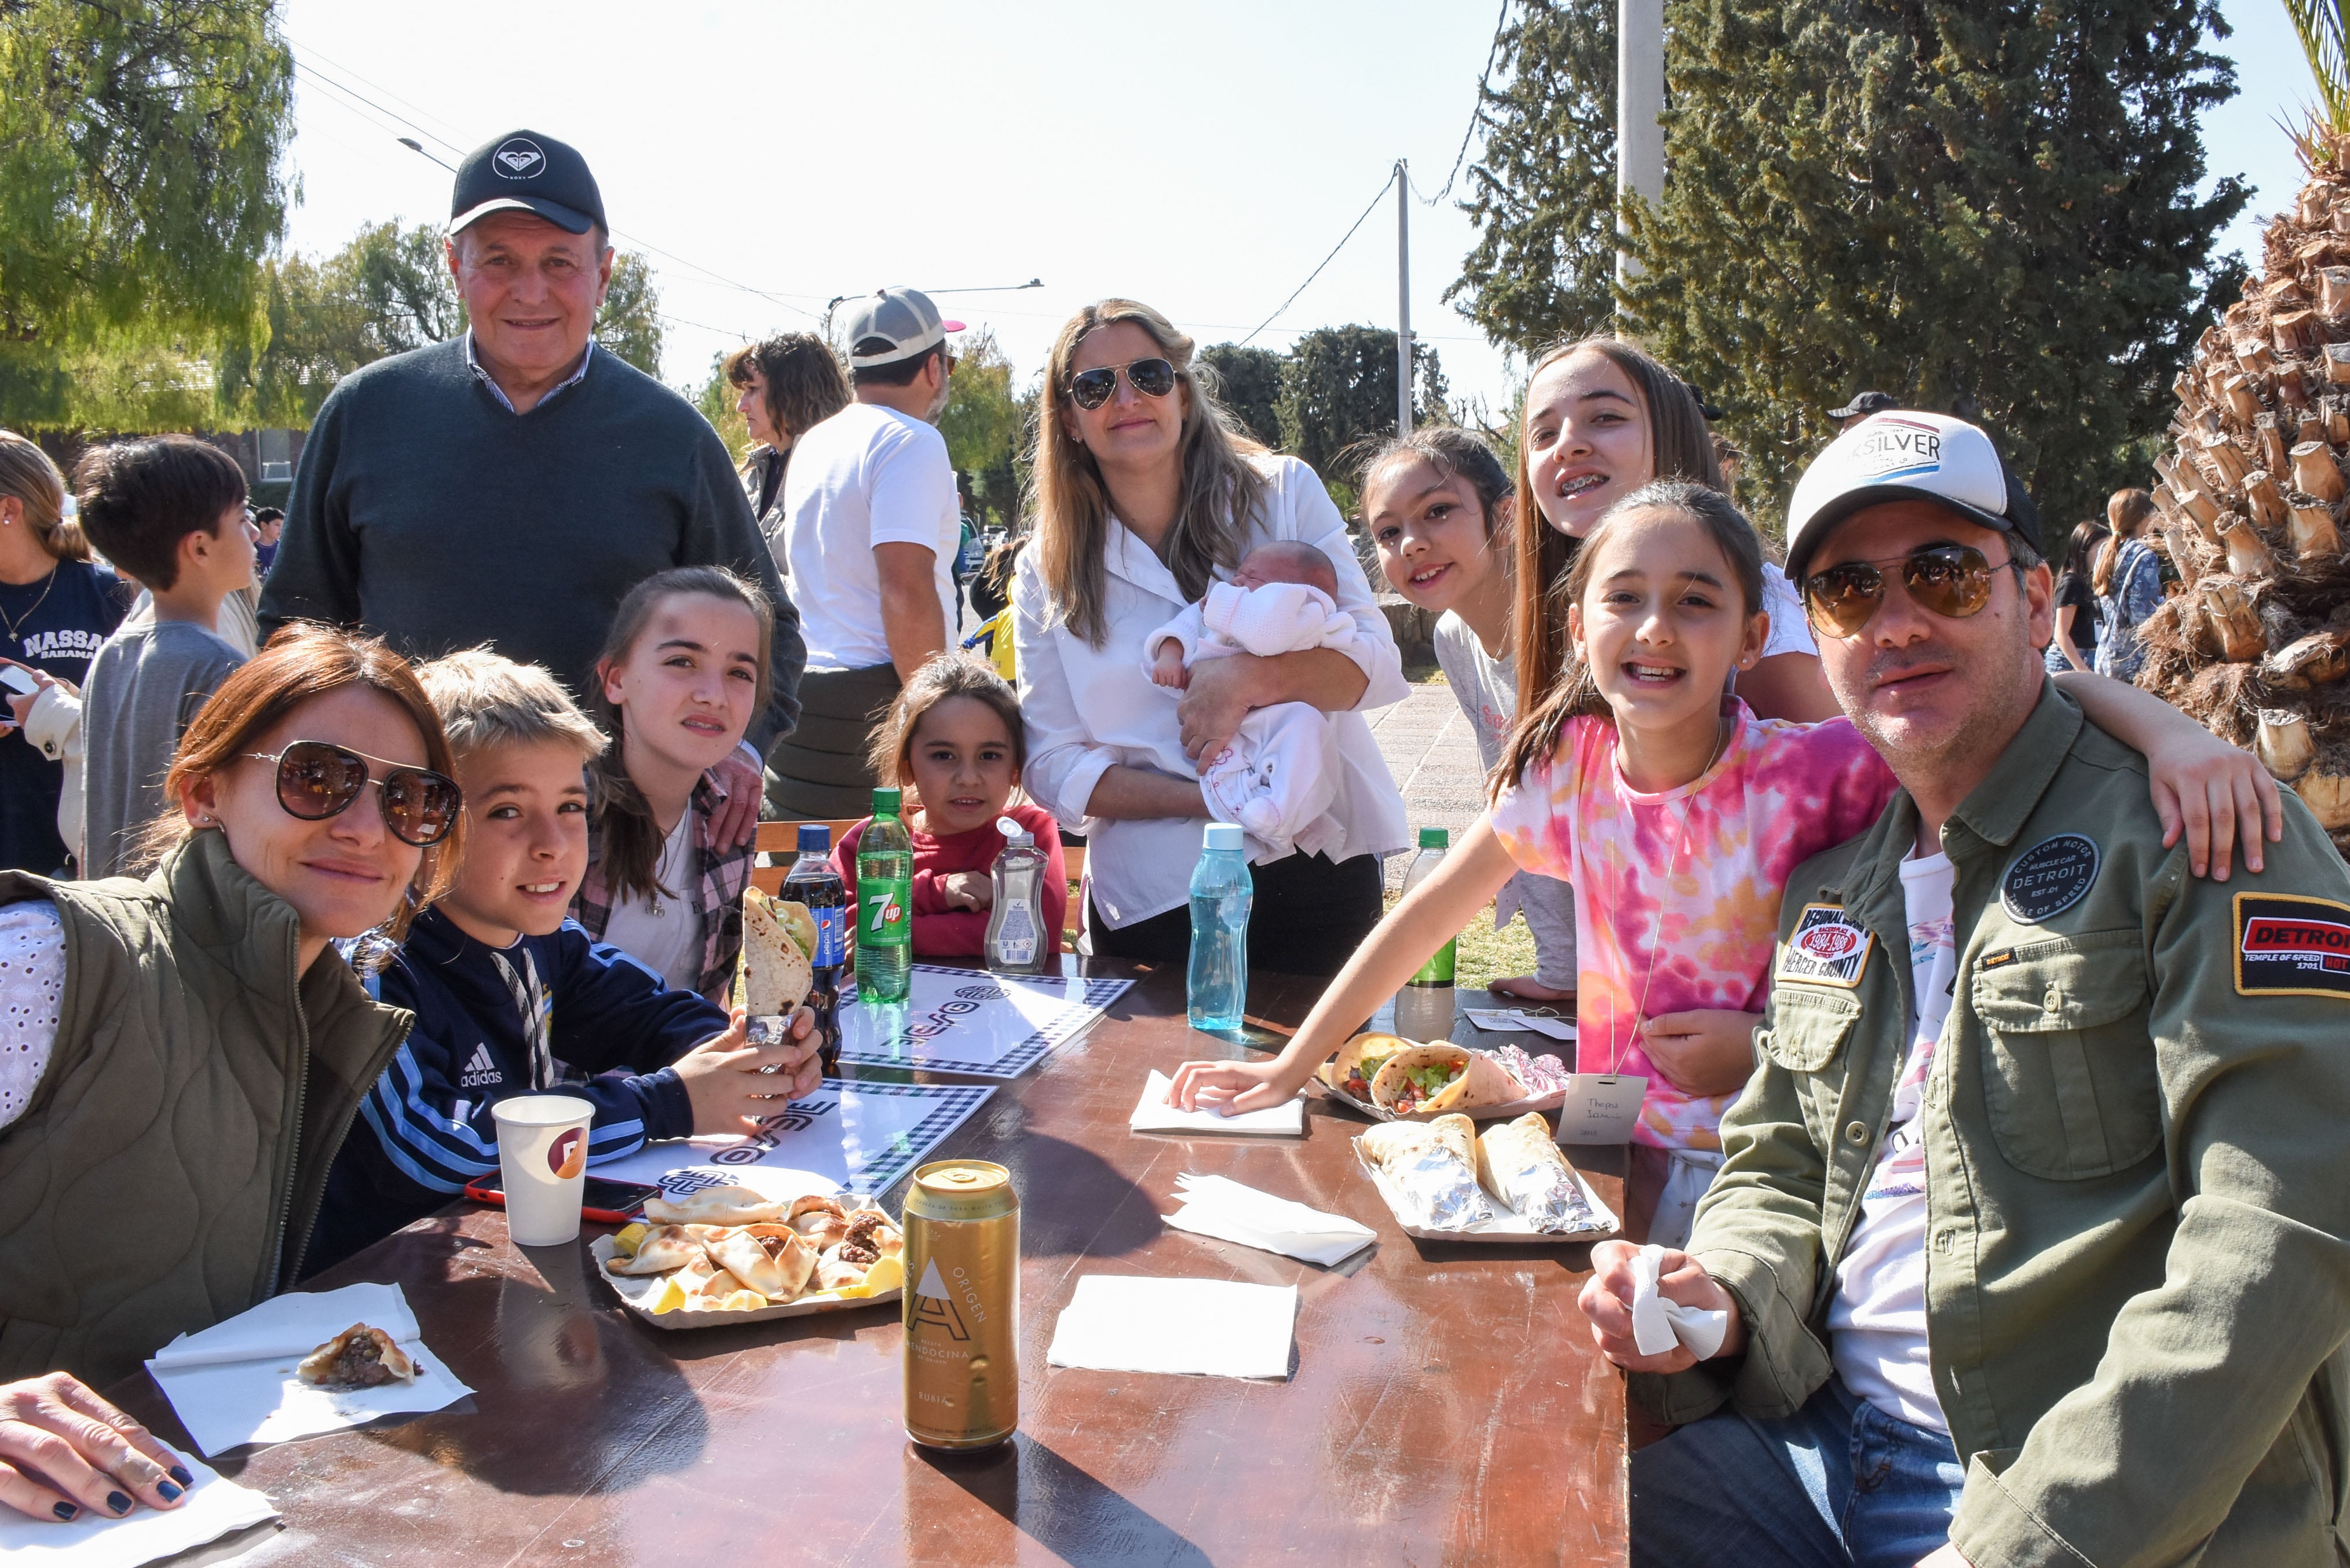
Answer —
1088 709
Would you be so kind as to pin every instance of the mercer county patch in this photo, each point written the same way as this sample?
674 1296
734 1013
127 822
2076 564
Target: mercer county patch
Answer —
2288 946
1827 947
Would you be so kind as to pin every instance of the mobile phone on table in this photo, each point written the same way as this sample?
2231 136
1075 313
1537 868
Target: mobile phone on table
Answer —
613 1202
16 678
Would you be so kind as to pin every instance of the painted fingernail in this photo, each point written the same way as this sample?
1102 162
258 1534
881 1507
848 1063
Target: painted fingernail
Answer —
169 1493
118 1502
179 1473
65 1511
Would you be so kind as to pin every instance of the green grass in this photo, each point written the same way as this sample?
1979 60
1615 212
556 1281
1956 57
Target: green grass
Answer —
1484 952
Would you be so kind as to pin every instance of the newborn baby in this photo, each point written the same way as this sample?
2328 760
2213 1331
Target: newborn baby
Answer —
1279 773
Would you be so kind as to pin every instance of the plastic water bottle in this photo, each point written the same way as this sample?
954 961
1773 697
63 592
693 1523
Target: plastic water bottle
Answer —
1423 1008
1222 891
812 881
1016 940
885 904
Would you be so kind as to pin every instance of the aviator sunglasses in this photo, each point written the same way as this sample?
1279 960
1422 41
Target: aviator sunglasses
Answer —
317 780
1153 377
1951 580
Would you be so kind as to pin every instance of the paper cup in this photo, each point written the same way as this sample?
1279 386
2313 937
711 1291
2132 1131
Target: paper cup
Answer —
543 1152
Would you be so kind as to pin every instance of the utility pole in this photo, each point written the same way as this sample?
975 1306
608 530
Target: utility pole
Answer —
1403 297
1639 101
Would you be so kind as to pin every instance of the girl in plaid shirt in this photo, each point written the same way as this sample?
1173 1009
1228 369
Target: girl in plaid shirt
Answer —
682 676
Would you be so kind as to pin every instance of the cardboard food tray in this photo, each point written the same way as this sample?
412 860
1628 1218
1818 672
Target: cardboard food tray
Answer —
1507 1228
1517 1108
633 1289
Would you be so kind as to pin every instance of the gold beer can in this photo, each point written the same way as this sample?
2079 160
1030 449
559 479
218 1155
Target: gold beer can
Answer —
962 1306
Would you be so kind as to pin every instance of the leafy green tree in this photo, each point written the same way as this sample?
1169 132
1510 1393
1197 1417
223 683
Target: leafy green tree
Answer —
629 324
1248 384
985 422
716 401
1542 191
1990 210
1338 386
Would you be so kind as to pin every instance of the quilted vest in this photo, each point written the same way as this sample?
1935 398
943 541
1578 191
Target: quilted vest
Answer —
168 1166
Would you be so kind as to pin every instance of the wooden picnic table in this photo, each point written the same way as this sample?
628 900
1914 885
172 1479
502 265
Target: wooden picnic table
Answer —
1445 1408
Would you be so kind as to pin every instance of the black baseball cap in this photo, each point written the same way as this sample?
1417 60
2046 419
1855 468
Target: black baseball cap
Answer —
524 171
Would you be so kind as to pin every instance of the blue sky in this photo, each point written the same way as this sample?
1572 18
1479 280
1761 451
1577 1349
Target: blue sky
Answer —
1202 161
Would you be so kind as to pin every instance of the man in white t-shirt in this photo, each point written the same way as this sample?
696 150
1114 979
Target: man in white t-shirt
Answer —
871 528
2031 1238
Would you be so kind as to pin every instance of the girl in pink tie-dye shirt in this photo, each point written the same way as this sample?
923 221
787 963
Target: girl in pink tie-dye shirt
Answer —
1677 815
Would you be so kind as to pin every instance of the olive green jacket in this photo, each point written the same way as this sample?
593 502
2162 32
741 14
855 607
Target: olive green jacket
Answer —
166 1172
2137 1287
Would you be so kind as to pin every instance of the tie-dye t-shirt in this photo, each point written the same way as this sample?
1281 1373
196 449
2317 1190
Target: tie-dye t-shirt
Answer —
1676 892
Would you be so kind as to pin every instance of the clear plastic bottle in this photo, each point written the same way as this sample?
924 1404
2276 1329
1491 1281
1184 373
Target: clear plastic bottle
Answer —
1018 943
1423 1008
1222 891
885 904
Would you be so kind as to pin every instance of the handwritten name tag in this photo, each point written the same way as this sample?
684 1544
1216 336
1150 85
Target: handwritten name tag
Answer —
1601 1108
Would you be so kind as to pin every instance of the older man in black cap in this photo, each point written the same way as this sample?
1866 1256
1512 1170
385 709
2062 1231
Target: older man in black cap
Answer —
508 486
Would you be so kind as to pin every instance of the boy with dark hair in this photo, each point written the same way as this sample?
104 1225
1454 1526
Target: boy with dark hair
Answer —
511 998
169 512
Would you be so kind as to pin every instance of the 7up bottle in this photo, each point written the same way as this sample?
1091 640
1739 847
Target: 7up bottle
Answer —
885 904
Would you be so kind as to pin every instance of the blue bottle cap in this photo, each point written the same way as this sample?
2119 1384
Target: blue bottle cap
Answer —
815 838
1223 836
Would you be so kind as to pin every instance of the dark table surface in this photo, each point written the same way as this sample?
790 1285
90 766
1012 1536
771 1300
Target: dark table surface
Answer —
1446 1407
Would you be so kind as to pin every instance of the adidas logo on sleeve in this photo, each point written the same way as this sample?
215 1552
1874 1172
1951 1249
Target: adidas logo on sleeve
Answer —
479 1072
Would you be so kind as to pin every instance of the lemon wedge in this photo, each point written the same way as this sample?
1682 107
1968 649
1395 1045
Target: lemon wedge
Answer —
626 1241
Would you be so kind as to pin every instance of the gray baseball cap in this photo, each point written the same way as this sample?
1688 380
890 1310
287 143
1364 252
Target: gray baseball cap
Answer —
904 319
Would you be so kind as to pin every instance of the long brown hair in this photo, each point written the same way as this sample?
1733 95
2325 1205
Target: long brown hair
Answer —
303 663
804 383
1068 504
26 473
1681 447
1574 692
957 674
2127 511
619 814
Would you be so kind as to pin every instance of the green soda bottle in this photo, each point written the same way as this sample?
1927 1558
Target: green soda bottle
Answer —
885 904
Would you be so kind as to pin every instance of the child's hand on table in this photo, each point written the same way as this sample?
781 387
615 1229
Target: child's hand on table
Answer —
734 1084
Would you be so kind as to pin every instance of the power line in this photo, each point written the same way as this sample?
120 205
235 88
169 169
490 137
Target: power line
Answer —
1501 23
1310 276
386 92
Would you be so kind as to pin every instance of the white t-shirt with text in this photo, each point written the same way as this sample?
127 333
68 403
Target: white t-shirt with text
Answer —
1876 1325
867 476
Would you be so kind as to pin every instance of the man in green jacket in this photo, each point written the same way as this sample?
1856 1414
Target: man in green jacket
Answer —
2029 1231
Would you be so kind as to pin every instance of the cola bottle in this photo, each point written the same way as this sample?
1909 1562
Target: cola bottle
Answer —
814 881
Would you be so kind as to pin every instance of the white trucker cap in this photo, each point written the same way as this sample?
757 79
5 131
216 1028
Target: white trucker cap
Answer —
1904 454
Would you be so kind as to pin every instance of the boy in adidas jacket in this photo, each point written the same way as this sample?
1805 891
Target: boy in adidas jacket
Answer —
511 998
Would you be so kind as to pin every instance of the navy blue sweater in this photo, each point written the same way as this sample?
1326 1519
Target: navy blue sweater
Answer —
425 1130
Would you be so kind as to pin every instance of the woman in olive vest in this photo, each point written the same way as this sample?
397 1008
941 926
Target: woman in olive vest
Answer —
180 1058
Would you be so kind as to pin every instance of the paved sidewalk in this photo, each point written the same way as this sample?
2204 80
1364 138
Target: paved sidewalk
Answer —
1433 754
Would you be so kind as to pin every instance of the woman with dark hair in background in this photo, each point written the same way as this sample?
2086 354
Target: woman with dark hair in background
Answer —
57 607
787 383
1144 495
2074 646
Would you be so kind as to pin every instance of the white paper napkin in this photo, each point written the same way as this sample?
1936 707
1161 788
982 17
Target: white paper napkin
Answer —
1237 1213
1658 1323
1221 1328
1518 1018
213 1508
256 1397
1153 1114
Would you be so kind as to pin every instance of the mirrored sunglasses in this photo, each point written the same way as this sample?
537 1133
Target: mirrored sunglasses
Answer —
1153 377
1951 580
317 780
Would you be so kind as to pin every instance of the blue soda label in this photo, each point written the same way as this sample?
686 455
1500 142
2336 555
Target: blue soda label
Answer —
831 936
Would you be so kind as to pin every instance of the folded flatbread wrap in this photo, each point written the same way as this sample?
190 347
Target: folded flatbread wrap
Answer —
1360 1059
1519 1163
1433 1167
773 1259
778 936
1404 1084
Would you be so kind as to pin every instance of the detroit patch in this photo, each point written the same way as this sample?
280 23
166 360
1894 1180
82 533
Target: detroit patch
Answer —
2289 946
1827 947
2050 877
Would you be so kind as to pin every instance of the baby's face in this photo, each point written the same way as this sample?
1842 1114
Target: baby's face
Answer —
1261 567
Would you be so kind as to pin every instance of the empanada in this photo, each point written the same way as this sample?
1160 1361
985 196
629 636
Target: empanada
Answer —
774 1260
663 1249
714 1205
359 1358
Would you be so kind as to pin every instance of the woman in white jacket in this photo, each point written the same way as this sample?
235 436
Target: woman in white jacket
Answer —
1144 495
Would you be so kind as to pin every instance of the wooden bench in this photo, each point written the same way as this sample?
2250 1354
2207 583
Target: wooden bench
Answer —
783 839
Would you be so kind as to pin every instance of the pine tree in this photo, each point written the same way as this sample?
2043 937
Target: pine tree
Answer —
1544 188
2257 643
1986 208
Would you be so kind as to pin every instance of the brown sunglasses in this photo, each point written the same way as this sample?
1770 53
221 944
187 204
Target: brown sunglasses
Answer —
317 780
1951 580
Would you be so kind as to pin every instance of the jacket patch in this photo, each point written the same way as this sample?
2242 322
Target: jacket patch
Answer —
2050 877
2288 946
1828 948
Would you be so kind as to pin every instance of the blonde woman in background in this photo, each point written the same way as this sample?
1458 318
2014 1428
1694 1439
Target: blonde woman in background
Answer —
1143 494
56 608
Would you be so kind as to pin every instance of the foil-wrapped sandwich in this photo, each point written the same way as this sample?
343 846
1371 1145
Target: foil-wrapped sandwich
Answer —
1432 1165
1520 1164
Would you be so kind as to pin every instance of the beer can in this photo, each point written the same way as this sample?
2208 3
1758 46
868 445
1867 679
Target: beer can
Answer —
962 1306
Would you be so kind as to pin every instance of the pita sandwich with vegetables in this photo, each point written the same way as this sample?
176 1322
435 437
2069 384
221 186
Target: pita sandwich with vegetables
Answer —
1421 1078
778 948
1358 1061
